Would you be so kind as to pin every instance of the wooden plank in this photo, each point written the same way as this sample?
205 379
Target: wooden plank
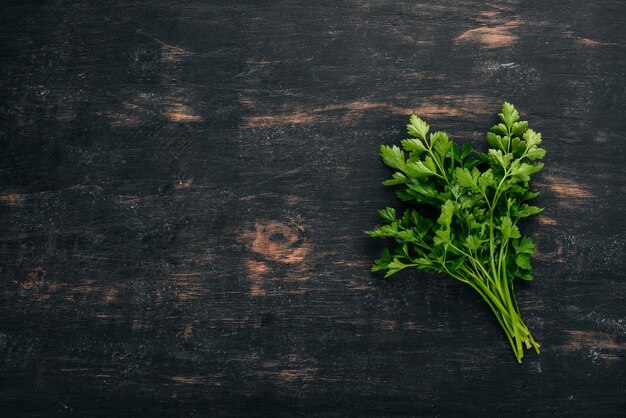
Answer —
184 190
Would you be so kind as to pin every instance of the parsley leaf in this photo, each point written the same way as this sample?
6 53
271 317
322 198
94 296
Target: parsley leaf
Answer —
465 209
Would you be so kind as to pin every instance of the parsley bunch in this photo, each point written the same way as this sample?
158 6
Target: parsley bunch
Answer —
462 212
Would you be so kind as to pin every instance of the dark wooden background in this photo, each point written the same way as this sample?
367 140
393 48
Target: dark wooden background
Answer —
184 188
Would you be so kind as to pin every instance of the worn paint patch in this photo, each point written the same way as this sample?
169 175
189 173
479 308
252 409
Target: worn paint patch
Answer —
256 270
121 119
183 184
240 322
278 241
579 339
36 285
138 325
589 42
290 368
492 36
305 374
188 380
566 188
144 107
410 326
292 200
188 286
549 248
600 137
247 101
179 112
388 324
85 290
294 118
585 42
131 114
172 53
110 295
11 199
545 220
411 40
352 112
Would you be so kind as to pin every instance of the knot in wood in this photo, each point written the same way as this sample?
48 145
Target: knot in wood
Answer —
278 241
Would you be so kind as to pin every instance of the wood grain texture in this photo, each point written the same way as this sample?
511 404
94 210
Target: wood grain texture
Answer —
184 186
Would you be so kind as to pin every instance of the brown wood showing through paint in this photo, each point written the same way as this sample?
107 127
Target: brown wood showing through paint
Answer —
184 188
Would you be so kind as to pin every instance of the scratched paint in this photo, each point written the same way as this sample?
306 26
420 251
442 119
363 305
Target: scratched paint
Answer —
184 188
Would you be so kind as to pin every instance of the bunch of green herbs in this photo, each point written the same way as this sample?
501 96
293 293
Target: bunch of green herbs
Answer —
462 213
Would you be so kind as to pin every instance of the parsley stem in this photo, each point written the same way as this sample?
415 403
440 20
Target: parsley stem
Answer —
500 319
497 313
439 166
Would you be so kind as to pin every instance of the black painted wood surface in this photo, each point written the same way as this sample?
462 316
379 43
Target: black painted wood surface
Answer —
184 187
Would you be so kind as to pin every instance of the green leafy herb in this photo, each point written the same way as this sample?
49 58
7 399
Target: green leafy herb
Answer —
462 214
